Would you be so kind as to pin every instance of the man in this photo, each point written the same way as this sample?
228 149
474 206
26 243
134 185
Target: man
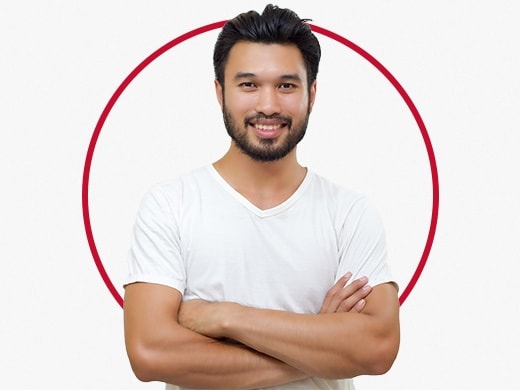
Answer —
240 271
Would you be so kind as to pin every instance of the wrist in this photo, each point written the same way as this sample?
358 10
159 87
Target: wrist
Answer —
230 315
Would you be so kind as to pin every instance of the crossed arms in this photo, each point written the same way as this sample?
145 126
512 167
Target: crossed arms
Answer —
214 345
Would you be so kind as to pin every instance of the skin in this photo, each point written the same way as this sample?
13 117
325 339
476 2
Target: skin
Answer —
266 144
160 348
357 328
333 345
271 80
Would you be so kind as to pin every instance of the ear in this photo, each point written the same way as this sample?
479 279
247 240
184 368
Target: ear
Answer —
312 95
219 91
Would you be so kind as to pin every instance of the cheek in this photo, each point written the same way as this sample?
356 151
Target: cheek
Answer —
240 104
297 106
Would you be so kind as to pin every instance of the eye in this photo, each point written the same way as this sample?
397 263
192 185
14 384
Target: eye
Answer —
247 85
287 86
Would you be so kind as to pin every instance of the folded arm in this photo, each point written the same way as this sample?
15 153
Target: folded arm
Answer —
327 345
160 349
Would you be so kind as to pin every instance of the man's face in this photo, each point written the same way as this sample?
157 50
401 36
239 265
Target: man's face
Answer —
265 101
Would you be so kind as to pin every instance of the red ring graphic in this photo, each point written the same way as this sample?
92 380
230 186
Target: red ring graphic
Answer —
90 152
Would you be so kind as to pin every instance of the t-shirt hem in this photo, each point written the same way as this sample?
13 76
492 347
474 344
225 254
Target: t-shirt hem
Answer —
154 279
383 281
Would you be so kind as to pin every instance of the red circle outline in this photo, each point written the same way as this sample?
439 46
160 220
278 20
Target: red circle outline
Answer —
216 25
427 142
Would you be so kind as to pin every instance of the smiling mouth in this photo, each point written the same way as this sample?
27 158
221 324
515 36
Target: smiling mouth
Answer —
268 127
262 127
268 131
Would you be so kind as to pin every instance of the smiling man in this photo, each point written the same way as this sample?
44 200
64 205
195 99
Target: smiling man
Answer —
261 94
255 272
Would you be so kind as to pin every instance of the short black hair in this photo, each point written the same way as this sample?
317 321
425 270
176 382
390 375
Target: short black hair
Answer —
274 26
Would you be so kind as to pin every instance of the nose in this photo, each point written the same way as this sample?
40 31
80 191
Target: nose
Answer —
268 102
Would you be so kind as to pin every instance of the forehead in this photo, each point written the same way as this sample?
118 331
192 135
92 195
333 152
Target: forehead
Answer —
265 60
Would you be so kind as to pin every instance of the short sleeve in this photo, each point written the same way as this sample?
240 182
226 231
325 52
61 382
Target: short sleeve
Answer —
155 254
362 244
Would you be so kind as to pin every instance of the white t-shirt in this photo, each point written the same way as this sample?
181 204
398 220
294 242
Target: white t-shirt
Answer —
200 236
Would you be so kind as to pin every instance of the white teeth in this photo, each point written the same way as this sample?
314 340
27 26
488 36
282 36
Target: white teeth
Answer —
266 127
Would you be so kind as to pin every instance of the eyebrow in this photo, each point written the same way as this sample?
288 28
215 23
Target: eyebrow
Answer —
247 75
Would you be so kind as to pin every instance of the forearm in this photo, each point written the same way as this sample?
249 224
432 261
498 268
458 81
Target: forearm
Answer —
335 345
195 361
160 349
325 345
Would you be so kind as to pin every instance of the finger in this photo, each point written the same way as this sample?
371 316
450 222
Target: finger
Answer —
327 306
344 299
358 307
355 302
349 295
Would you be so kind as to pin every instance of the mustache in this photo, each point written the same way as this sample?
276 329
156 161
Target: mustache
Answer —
281 118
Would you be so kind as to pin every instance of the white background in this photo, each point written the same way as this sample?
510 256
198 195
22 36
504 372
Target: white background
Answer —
62 61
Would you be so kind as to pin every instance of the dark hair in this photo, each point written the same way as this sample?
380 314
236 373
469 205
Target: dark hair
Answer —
274 25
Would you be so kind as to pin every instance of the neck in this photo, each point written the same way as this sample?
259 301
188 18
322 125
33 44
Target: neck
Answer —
265 184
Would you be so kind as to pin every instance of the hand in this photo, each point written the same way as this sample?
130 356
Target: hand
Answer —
343 298
203 317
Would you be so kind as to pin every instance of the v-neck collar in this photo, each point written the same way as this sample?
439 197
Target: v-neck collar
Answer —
286 204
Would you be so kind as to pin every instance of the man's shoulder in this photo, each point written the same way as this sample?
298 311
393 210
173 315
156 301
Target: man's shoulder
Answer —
340 200
333 190
186 179
172 191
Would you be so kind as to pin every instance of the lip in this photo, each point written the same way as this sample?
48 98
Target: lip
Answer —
268 130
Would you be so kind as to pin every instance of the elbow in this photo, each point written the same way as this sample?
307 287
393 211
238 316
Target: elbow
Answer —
142 363
381 359
380 366
376 359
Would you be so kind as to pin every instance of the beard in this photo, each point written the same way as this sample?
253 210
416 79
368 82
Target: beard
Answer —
265 149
